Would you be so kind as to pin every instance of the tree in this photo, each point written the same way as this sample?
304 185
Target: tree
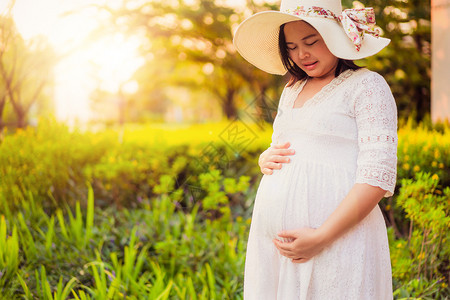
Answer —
198 34
25 74
406 62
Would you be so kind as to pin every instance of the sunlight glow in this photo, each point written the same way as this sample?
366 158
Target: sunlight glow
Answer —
106 62
87 63
116 59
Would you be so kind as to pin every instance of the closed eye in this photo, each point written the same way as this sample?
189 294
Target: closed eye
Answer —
312 43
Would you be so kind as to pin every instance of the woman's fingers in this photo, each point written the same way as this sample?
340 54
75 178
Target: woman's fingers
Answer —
285 249
282 149
283 246
282 152
300 260
274 161
270 166
273 165
281 146
286 151
274 157
267 171
279 158
289 151
288 254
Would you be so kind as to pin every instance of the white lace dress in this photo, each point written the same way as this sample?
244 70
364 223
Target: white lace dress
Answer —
345 134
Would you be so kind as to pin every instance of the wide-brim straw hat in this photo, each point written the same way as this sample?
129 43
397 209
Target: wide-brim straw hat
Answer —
348 34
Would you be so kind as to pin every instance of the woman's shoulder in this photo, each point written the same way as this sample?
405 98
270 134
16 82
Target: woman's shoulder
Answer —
293 84
369 83
368 87
365 76
291 88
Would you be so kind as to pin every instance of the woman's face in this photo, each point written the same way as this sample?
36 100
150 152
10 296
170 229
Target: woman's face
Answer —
308 51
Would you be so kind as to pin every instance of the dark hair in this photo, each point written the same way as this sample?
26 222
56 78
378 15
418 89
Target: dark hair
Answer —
295 71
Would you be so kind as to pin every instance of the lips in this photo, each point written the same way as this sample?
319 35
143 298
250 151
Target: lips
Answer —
310 65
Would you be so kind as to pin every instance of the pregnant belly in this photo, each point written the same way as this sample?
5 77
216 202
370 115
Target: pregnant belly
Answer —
280 203
268 211
300 194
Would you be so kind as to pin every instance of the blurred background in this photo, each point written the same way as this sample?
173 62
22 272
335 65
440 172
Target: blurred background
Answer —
116 62
130 132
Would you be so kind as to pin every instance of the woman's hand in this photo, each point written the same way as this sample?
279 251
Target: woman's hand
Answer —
302 245
305 243
273 157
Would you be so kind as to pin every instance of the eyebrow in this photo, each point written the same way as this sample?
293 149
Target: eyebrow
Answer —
311 35
306 37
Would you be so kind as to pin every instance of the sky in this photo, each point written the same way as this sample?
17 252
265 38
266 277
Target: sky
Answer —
109 61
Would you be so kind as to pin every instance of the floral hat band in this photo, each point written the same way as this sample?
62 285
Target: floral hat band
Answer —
355 21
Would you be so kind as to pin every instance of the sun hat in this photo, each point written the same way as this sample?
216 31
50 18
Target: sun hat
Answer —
349 34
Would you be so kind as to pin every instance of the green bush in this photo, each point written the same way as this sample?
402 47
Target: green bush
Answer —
152 251
47 162
424 149
172 212
420 260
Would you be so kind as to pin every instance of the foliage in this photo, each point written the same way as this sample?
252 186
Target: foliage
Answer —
406 62
189 58
421 258
172 212
152 252
421 148
192 43
47 162
50 162
25 74
9 250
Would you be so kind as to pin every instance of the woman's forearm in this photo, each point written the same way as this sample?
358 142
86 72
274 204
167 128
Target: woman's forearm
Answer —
359 202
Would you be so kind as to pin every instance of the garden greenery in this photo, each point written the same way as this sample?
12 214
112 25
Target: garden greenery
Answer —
158 212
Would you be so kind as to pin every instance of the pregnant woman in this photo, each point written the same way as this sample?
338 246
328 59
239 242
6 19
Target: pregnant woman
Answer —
317 231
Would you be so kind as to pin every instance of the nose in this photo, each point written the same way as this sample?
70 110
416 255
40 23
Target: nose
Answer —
302 53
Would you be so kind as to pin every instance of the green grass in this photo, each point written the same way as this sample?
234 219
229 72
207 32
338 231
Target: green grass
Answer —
104 215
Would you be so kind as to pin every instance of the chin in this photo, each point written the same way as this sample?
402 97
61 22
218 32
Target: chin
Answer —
313 73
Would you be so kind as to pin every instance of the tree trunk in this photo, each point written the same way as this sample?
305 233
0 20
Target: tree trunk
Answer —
422 103
228 105
2 108
21 119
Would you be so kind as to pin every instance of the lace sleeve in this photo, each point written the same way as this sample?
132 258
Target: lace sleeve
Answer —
376 120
